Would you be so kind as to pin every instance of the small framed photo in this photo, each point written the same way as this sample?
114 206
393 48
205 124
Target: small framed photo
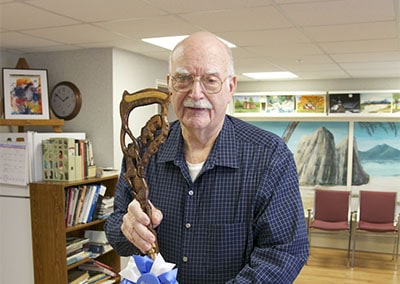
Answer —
26 94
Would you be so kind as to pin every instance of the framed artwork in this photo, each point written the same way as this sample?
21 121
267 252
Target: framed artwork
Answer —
344 103
249 103
396 103
379 102
310 104
25 94
280 104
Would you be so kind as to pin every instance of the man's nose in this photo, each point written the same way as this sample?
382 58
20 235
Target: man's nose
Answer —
197 87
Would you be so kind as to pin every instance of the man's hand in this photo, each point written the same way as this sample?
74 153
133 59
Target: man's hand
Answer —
134 226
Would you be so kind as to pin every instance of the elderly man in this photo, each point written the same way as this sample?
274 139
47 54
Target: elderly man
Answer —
227 207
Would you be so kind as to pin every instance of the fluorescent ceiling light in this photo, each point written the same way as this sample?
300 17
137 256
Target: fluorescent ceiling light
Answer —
271 75
169 42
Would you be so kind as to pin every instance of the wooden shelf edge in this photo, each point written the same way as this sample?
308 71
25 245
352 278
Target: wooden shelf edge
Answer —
85 225
67 183
33 122
21 123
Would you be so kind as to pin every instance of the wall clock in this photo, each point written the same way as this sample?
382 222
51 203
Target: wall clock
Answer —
65 100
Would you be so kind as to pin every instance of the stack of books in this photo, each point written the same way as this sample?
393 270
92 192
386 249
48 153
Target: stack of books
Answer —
76 250
98 271
83 203
106 207
77 276
67 159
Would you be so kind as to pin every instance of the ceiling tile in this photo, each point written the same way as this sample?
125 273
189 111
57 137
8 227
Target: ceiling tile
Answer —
264 37
149 27
238 20
100 10
361 46
179 6
16 16
274 49
339 12
76 34
367 57
19 40
351 32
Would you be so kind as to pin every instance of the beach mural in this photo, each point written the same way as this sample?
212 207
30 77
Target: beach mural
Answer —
320 151
378 146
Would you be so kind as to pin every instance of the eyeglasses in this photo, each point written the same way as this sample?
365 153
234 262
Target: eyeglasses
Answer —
212 84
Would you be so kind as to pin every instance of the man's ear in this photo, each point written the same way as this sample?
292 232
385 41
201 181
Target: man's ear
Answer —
232 85
169 83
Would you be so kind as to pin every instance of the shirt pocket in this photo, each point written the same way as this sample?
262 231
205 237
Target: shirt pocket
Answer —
226 247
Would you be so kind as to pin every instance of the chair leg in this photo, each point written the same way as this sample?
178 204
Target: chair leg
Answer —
354 238
349 246
397 250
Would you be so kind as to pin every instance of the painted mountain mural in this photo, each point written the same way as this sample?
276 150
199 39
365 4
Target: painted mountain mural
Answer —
320 162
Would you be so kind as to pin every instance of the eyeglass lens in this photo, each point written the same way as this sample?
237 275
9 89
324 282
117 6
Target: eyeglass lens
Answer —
210 83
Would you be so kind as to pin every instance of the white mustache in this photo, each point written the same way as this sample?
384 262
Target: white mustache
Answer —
197 104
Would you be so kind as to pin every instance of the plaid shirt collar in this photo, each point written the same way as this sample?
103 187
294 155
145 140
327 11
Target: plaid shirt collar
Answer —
224 152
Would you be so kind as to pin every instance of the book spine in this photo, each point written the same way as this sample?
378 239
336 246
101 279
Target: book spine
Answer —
93 204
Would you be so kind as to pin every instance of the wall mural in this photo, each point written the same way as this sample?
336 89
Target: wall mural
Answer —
378 146
321 154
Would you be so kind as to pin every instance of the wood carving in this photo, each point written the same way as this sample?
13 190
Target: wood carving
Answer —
137 153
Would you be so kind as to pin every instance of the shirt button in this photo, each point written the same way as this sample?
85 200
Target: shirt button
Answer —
191 192
188 225
185 259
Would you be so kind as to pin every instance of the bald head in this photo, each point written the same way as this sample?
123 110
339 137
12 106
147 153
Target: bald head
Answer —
202 46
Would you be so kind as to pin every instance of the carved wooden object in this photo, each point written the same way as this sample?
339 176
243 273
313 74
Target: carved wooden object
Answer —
137 153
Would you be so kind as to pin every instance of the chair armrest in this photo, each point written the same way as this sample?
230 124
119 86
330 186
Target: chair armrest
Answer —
309 216
353 215
309 213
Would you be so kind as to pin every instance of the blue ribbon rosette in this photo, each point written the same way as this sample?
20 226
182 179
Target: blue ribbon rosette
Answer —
143 270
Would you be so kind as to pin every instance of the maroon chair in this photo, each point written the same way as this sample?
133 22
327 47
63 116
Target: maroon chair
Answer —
377 215
331 213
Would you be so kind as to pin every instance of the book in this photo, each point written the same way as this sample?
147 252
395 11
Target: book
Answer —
74 192
78 167
77 276
97 277
77 257
95 265
98 248
80 203
102 192
58 159
68 197
75 243
86 205
94 201
106 207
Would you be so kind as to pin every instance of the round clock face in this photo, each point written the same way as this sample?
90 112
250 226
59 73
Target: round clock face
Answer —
65 100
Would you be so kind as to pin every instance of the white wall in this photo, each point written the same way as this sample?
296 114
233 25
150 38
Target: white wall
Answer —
132 72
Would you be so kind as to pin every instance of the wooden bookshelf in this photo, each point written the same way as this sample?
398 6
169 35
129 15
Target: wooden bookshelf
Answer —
49 231
21 123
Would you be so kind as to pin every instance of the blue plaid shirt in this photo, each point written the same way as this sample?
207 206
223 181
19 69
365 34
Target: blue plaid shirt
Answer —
240 221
